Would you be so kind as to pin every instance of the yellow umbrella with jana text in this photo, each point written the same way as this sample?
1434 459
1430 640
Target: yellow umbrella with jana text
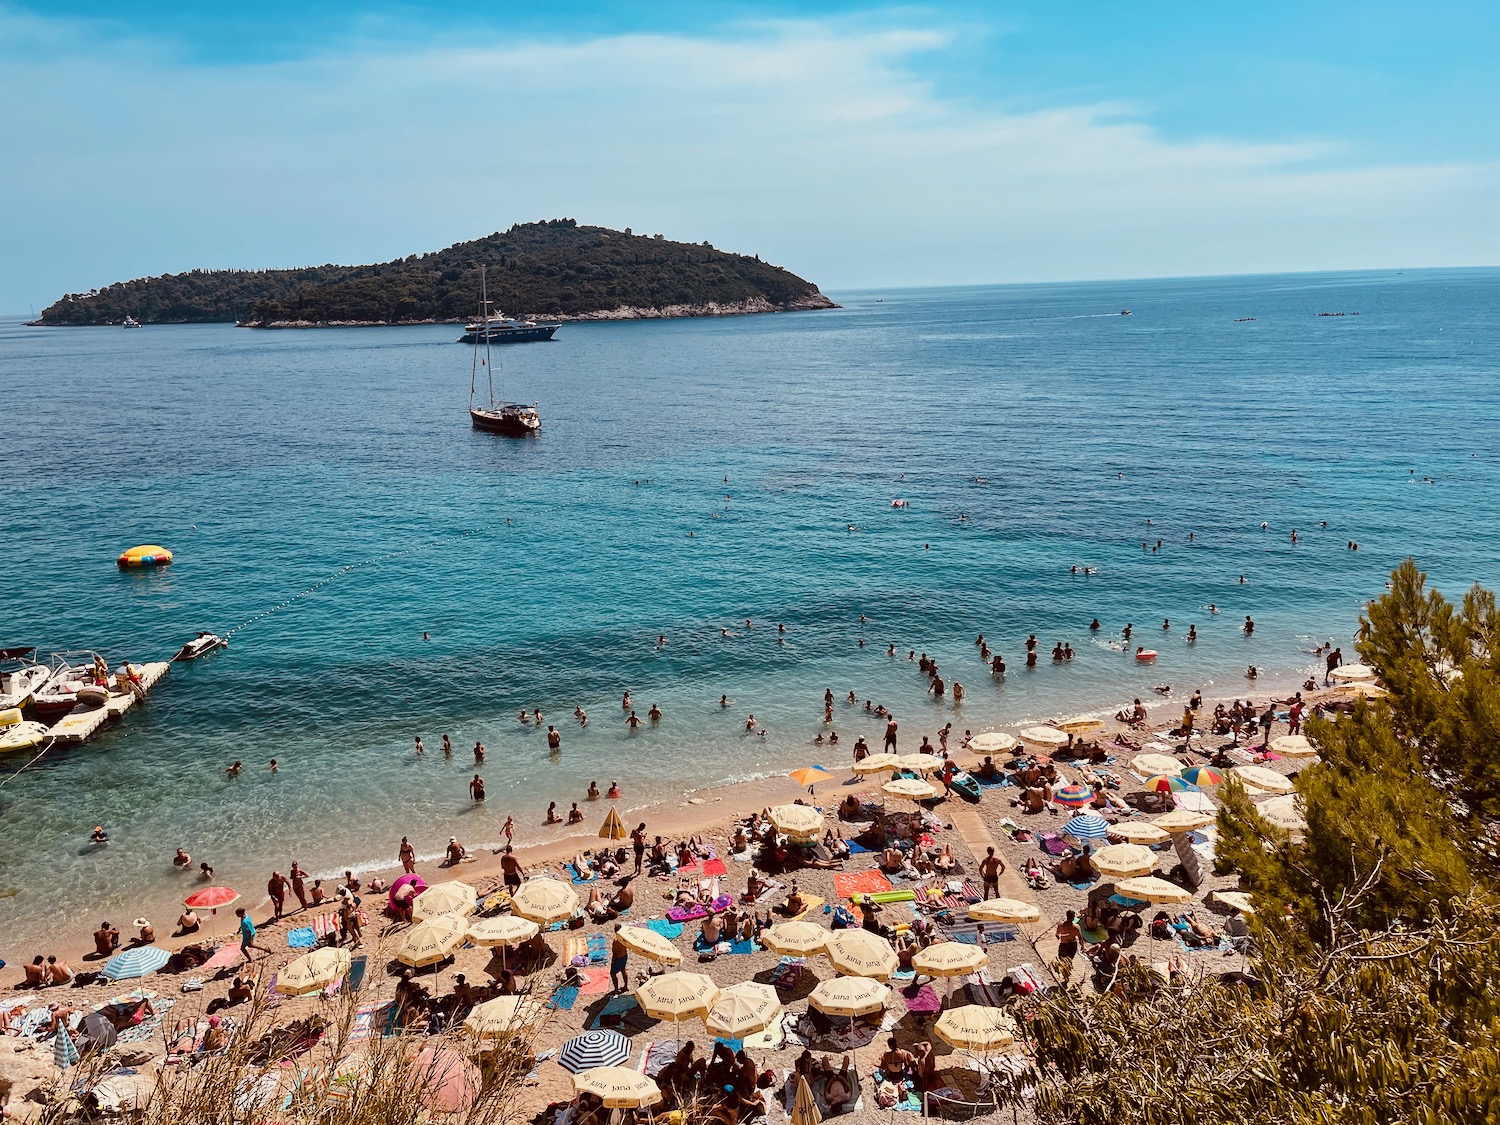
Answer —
452 897
1124 860
1139 832
805 1107
544 901
876 763
650 945
612 828
976 1027
849 996
797 820
1152 889
909 788
1005 910
312 972
949 959
432 940
794 939
618 1087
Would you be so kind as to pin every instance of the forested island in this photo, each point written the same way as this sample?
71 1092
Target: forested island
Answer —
554 269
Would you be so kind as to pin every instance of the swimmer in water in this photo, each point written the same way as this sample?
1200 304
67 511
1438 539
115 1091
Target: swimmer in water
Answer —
723 701
750 723
99 836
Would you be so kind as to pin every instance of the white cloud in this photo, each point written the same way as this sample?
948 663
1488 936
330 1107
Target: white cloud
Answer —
820 147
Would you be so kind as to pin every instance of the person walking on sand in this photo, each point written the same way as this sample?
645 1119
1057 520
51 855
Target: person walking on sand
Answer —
638 842
619 960
990 870
1335 660
247 935
890 735
299 884
509 829
276 887
1267 720
407 855
511 868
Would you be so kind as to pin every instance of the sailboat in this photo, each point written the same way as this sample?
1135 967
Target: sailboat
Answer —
513 419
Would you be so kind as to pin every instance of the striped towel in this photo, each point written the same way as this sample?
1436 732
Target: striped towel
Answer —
575 950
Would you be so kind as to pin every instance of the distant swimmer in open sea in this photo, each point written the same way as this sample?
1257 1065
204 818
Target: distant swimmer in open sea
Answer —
614 791
633 721
654 714
1165 624
182 860
1192 633
99 836
236 769
1094 625
750 723
1127 630
554 738
723 701
420 749
478 752
523 717
625 703
593 793
447 747
1212 608
1249 625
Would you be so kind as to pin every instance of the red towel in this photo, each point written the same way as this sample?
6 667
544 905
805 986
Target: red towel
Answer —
714 866
851 883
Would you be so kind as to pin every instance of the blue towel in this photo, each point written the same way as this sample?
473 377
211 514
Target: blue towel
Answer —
668 929
992 782
614 1012
747 946
856 847
563 998
735 1045
304 938
579 877
598 949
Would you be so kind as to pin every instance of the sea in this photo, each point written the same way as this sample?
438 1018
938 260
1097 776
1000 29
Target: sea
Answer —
385 572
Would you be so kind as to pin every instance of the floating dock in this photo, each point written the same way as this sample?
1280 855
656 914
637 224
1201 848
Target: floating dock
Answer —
84 721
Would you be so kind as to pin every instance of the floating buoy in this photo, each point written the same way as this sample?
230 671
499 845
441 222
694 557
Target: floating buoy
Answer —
1145 654
146 556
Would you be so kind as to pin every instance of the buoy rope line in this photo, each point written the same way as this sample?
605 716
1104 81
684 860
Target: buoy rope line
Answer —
51 742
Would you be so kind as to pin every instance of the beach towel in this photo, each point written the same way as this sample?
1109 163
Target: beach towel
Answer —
787 973
575 950
225 956
598 947
851 883
1053 844
715 867
367 1020
617 1012
304 938
656 1057
146 1030
357 968
771 1039
810 903
564 996
595 981
920 998
579 877
856 848
668 929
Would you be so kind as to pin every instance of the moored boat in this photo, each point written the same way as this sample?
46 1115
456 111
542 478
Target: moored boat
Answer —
202 643
513 419
21 677
501 329
23 735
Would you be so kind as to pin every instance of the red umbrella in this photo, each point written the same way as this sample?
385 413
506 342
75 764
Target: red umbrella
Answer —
448 1082
212 898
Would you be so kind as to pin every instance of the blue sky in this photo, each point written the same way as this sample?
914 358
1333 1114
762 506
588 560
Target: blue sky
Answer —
858 145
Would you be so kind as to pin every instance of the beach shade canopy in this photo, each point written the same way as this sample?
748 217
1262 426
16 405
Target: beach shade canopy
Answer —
1284 812
446 898
1181 820
976 1027
797 820
1293 746
502 1016
1087 826
1124 860
1082 724
993 742
1073 796
1258 777
1138 832
849 996
137 962
949 959
447 1082
544 901
1152 889
1235 900
743 1009
618 1087
919 763
910 789
1363 689
99 1030
211 898
859 953
1005 910
1045 736
650 945
312 972
504 929
1168 783
1352 672
64 1050
876 763
350 1075
1148 764
1203 775
794 939
432 940
612 828
809 775
804 1105
1195 800
677 996
592 1050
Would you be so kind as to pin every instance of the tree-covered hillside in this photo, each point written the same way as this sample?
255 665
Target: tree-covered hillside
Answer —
555 268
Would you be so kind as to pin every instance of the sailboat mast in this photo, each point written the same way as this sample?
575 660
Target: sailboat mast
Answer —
489 366
474 372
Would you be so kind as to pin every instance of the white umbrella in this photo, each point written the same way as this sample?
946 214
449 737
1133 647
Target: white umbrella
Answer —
1350 672
1293 746
993 742
1151 764
1261 778
910 789
876 763
1124 860
1045 736
1285 812
1005 910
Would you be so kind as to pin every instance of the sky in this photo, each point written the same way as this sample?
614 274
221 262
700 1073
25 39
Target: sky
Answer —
857 145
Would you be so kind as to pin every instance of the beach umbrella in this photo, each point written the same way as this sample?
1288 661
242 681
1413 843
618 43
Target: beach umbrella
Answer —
1195 800
1005 910
432 940
1284 812
809 775
993 742
312 972
448 1082
1259 777
1235 900
650 945
594 1049
446 898
1203 775
506 930
1073 796
805 1106
1124 860
909 788
1138 832
794 939
544 901
211 898
1082 724
1350 672
1293 746
618 1087
1148 764
876 763
949 959
99 1030
349 1076
859 953
64 1050
119 1093
1045 736
677 995
612 828
1182 820
1087 826
1361 688
796 820
1152 889
919 763
136 962
502 1016
1168 783
743 1009
849 996
976 1027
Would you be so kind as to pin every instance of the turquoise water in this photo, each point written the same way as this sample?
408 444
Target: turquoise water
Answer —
544 570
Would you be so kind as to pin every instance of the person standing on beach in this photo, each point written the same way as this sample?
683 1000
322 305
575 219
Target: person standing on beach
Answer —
276 888
619 959
407 855
990 870
299 884
247 935
890 735
349 922
554 739
638 842
512 869
1335 660
1267 720
509 829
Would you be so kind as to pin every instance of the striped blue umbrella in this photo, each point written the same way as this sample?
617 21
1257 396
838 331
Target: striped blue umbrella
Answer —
594 1048
137 962
64 1052
1086 826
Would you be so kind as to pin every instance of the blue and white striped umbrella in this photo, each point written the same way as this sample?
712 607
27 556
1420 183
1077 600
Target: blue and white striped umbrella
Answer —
64 1052
1086 826
137 962
594 1048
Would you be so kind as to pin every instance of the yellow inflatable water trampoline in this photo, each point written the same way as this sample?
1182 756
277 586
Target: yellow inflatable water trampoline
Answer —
146 556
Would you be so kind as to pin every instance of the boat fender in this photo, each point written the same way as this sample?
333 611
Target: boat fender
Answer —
10 717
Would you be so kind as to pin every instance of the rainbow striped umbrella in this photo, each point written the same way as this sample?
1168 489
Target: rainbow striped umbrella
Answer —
1169 783
1073 796
1203 775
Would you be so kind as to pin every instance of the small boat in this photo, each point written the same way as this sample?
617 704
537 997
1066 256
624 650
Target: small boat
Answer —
70 671
24 734
513 419
1124 312
966 785
21 677
143 557
130 322
202 643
